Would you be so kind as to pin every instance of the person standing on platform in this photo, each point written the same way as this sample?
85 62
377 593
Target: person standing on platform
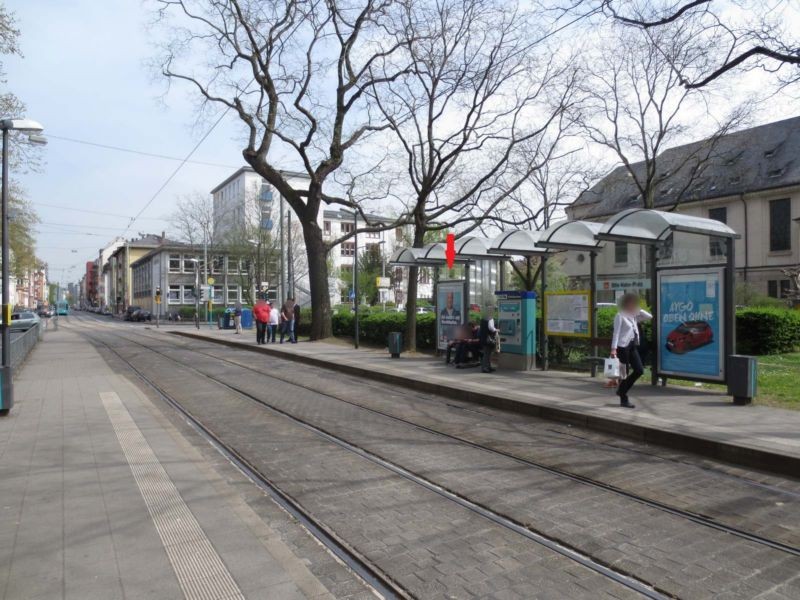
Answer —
486 339
296 323
274 321
625 343
237 317
261 314
287 319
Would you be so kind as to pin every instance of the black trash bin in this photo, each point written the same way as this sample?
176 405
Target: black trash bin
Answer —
226 320
395 343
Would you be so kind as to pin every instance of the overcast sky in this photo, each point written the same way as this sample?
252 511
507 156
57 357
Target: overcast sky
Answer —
84 75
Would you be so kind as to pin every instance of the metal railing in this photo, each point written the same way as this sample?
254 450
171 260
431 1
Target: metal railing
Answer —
22 345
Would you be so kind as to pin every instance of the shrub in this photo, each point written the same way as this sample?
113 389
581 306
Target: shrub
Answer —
374 328
767 330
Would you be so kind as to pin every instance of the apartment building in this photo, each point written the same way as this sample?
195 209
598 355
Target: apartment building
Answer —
751 182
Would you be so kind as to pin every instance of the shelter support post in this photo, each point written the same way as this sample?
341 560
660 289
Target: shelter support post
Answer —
593 308
654 345
543 341
730 304
467 302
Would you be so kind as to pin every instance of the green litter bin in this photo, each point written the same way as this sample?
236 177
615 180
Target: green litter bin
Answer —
395 343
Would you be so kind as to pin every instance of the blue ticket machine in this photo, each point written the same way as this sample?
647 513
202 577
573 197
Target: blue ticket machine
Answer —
516 325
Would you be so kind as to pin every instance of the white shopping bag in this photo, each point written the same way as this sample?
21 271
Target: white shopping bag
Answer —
611 368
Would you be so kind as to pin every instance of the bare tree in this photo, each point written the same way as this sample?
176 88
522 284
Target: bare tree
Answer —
637 107
296 74
746 34
193 219
474 96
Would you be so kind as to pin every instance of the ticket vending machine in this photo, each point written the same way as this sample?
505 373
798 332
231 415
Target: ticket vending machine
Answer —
516 326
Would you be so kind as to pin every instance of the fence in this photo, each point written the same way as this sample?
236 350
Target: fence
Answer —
23 344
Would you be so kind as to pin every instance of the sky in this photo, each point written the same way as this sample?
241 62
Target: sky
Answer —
84 75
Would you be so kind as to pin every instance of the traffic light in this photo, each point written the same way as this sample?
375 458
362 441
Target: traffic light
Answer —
204 295
158 295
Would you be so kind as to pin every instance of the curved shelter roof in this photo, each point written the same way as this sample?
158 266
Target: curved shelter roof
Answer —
405 257
572 235
517 242
475 248
647 226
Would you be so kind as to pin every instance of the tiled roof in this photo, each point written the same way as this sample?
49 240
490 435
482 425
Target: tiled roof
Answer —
755 159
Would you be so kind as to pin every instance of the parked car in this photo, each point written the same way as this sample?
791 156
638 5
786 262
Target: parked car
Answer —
689 336
22 321
130 311
142 315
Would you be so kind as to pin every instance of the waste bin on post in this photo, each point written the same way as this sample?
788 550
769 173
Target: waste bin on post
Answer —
395 343
742 378
247 318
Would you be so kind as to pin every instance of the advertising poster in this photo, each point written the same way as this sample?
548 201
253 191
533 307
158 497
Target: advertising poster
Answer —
568 313
690 321
450 311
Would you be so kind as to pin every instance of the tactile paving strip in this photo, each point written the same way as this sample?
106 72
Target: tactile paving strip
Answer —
200 571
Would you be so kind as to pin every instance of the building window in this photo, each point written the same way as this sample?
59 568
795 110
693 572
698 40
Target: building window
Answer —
347 227
219 294
348 249
233 265
188 294
326 227
621 253
374 235
174 294
174 263
217 264
398 234
233 294
780 225
188 263
779 288
716 245
424 276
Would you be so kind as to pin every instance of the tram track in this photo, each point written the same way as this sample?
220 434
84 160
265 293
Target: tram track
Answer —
699 519
383 583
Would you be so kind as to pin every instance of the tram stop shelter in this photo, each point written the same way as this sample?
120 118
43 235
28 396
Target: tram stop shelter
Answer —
694 327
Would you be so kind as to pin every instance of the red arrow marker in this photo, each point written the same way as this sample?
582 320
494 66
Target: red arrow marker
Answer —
450 252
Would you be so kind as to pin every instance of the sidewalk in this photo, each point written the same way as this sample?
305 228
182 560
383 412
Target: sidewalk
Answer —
103 498
675 416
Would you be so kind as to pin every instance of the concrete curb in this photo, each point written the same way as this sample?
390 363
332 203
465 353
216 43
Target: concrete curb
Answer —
744 456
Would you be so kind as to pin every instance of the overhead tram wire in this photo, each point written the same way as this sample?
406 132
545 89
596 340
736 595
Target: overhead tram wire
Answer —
177 169
139 152
92 212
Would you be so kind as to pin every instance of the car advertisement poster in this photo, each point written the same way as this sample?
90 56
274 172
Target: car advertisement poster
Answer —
690 323
568 313
450 311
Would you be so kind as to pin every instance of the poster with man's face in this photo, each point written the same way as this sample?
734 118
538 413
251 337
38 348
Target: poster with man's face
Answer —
449 311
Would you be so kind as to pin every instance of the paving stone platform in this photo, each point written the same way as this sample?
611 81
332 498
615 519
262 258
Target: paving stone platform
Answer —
102 497
674 416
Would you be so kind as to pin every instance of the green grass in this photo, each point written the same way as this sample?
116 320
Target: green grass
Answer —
778 381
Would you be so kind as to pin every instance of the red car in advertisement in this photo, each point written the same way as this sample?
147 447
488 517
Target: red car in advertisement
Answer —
689 336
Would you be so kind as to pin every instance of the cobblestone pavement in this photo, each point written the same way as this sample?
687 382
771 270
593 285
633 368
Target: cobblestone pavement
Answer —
676 555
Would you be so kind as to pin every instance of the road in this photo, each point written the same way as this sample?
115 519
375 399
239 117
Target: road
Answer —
435 498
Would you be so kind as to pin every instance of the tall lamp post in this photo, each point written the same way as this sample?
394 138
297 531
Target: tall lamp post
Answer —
32 129
196 291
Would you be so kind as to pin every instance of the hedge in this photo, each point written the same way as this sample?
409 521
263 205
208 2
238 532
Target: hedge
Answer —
767 330
375 328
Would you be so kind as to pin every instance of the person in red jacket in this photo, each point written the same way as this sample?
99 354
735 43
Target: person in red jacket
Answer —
261 315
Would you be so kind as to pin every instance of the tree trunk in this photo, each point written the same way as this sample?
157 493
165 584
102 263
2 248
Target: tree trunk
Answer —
316 253
411 298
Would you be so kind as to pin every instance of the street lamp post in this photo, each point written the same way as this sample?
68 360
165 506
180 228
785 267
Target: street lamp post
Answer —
33 129
196 292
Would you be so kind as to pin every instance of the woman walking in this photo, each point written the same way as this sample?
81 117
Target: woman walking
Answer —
625 343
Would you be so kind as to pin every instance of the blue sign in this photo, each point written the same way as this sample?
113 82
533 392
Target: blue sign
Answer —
690 323
352 295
